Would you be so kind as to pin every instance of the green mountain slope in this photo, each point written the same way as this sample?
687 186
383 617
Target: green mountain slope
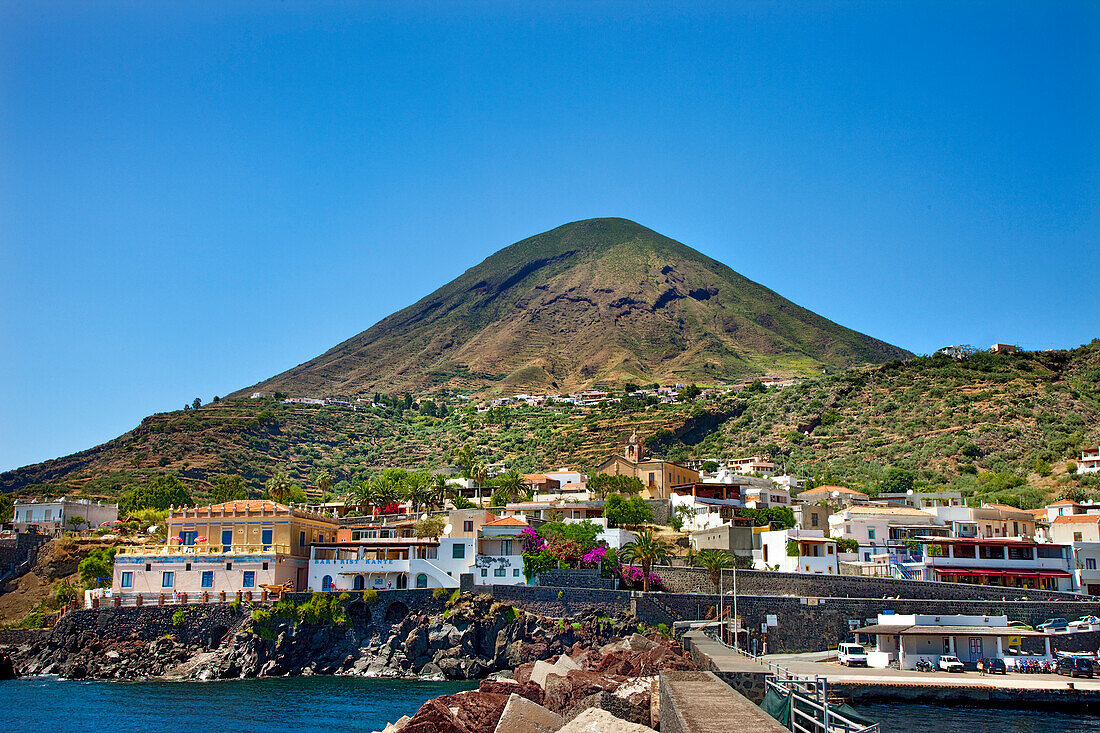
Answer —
590 302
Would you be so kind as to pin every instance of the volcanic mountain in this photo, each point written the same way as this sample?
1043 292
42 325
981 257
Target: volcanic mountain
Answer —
595 301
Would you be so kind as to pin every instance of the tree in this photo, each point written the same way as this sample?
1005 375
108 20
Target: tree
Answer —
7 508
648 550
602 485
714 561
322 481
229 487
690 392
164 492
278 487
417 490
464 457
896 481
196 404
623 512
75 522
430 527
847 544
710 466
510 485
100 563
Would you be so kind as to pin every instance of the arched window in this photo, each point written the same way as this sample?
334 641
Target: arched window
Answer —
358 584
421 581
326 583
402 581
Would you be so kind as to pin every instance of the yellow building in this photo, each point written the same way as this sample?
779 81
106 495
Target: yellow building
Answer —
657 476
230 547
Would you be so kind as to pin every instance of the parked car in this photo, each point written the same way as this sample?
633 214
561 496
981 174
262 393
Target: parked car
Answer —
1074 667
995 666
851 655
950 663
1053 624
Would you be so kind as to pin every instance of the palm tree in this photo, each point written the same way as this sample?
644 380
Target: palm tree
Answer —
441 491
715 561
510 485
648 550
278 487
479 476
383 491
362 494
322 481
417 490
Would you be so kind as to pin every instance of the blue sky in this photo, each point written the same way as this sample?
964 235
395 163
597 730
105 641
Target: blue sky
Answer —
195 197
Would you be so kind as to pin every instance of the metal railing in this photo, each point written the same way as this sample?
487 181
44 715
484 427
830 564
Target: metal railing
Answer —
204 549
807 700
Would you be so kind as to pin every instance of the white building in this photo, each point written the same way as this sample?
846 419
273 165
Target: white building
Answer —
921 499
1010 563
1089 462
752 465
1082 531
52 516
813 552
908 639
883 529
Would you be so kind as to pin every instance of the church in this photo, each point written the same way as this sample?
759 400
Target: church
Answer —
658 476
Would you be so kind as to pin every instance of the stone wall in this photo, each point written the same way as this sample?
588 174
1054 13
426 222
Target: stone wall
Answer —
578 578
152 622
769 583
562 602
813 624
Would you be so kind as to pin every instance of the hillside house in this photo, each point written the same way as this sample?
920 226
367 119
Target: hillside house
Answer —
1089 462
657 476
52 516
837 497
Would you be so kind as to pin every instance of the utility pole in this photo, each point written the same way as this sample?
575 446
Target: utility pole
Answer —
736 635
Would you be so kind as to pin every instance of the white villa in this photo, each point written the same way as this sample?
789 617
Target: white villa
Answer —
908 639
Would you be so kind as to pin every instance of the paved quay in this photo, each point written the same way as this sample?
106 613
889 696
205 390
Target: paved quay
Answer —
700 702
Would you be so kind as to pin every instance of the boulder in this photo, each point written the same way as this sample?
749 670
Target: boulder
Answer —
563 693
524 716
595 720
435 716
617 706
529 690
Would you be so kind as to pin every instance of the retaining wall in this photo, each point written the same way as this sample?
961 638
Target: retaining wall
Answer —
770 583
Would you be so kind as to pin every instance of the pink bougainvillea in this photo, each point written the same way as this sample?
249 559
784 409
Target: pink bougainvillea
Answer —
531 540
594 556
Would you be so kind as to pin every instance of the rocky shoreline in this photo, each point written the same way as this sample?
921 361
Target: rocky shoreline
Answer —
472 638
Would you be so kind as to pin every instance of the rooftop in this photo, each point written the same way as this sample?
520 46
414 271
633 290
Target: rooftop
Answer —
824 490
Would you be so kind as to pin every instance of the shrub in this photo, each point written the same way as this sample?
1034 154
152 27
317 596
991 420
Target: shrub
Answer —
439 592
454 597
370 596
179 617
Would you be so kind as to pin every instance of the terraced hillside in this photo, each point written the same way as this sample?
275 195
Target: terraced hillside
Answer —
1003 426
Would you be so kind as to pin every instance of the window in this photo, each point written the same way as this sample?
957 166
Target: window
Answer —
1049 551
1077 537
207 578
515 571
167 579
265 538
249 579
326 582
188 537
229 566
651 477
830 548
458 552
301 539
148 567
1015 529
1019 553
813 520
500 572
988 530
320 538
421 581
264 566
1090 563
506 547
484 573
187 567
946 645
467 526
870 533
227 538
128 579
963 551
433 553
991 552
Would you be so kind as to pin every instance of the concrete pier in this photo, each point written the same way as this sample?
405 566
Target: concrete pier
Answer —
700 702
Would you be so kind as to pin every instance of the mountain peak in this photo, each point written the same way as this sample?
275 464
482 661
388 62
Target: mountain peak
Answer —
596 300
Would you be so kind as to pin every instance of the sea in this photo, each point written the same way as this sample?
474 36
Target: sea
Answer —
353 704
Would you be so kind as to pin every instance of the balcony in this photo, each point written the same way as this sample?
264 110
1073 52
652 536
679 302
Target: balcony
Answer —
202 549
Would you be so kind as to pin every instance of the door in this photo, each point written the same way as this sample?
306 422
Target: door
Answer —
265 539
402 581
326 583
227 538
976 652
358 584
188 537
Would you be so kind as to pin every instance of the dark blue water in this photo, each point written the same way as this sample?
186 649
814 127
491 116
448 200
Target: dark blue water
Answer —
330 704
355 705
910 718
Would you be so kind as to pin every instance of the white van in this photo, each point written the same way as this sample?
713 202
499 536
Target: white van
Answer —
851 655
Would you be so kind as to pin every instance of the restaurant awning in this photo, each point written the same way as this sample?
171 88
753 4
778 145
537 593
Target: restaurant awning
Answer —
932 630
1002 572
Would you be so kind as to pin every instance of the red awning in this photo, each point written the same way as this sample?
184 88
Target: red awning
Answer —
1003 573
